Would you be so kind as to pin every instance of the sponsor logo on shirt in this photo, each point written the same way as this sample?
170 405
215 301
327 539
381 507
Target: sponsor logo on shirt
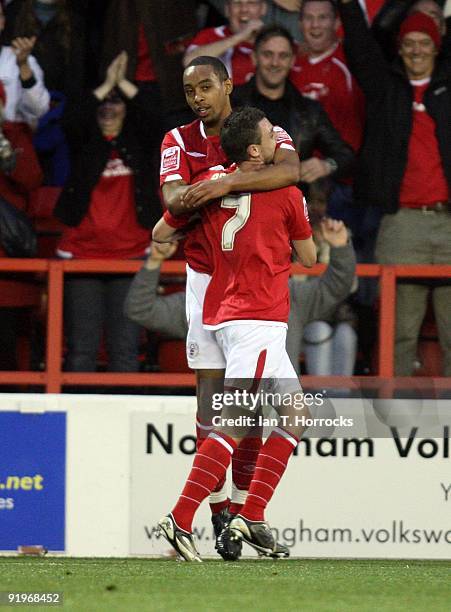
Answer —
315 91
116 167
170 160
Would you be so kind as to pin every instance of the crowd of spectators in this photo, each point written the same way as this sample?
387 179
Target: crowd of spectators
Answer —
88 88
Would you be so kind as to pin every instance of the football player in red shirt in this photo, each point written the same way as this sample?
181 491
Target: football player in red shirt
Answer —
186 153
247 305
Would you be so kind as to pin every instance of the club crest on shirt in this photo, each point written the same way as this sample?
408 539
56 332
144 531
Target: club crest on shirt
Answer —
170 160
192 350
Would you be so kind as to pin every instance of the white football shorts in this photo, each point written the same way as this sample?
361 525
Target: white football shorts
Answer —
256 351
202 350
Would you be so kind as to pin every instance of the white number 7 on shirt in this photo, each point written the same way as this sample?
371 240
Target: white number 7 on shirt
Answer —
242 203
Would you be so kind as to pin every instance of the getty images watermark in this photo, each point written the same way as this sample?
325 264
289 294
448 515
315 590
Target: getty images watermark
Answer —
247 406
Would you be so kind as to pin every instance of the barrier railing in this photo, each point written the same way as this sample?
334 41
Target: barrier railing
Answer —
53 378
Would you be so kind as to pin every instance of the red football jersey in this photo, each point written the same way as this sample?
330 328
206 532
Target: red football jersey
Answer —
187 153
328 80
424 180
238 60
110 229
250 238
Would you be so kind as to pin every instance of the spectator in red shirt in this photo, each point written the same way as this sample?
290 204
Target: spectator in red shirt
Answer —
19 174
405 166
321 73
234 42
107 206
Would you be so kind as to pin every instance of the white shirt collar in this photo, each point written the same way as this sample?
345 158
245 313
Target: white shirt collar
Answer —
319 58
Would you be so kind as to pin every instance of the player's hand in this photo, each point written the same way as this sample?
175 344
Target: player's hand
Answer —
203 192
252 28
121 68
22 48
112 72
313 169
334 232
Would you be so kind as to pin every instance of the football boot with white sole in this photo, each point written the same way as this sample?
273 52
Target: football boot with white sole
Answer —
181 541
257 534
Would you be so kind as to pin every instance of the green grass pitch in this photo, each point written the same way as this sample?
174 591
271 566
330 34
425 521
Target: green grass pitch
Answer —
91 585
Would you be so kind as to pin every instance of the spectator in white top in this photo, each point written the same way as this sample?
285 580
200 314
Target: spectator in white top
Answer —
22 78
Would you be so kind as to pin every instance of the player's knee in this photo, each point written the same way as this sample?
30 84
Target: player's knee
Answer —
318 332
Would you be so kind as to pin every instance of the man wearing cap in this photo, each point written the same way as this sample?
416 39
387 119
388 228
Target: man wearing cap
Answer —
405 165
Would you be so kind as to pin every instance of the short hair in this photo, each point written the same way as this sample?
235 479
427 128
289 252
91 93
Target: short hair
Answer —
208 60
332 3
273 31
240 130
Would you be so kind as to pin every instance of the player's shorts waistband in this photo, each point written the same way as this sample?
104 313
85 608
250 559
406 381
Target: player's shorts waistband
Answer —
246 322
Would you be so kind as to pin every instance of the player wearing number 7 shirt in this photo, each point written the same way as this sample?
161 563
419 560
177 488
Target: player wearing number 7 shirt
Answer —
186 153
246 307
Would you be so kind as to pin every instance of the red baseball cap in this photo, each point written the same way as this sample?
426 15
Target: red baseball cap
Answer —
420 22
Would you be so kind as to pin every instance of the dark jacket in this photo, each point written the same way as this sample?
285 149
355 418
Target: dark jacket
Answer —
90 152
383 156
306 122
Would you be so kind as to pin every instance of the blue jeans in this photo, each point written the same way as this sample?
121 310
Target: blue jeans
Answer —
94 304
330 350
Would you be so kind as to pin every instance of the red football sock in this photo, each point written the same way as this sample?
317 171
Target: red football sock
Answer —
235 508
209 466
202 432
243 467
271 463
